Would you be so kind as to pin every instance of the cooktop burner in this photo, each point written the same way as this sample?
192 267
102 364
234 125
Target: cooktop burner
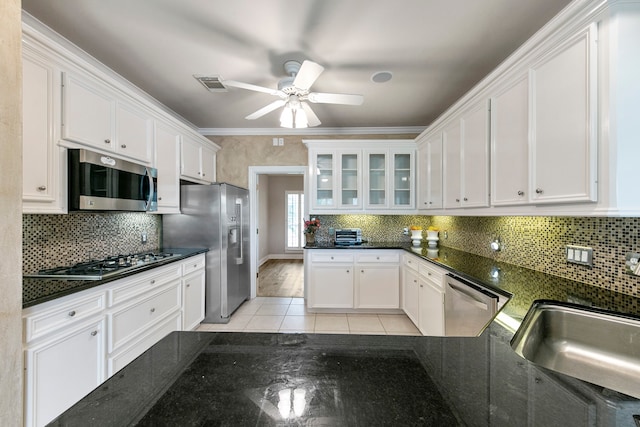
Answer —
101 269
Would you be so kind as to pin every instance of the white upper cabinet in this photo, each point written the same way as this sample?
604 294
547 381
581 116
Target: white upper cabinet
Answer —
43 183
510 144
94 115
361 175
466 159
430 172
197 161
167 154
564 122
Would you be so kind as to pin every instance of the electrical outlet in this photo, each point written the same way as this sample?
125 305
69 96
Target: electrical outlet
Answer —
579 255
143 237
275 142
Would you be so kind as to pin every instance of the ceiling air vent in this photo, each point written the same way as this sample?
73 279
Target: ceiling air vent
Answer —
212 83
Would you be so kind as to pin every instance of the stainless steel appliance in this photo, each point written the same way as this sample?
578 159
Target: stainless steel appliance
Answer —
103 268
348 236
215 217
469 307
98 182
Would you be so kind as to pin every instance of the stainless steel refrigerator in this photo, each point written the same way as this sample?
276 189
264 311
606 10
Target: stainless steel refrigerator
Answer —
216 217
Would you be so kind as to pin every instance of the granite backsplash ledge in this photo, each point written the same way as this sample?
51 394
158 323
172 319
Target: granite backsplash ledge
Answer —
537 243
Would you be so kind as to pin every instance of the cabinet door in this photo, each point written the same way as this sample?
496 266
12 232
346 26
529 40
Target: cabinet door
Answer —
430 173
431 316
376 182
323 183
331 286
378 286
192 300
564 124
402 184
168 164
134 132
350 189
475 157
88 112
510 144
190 158
63 370
208 159
42 159
452 142
410 295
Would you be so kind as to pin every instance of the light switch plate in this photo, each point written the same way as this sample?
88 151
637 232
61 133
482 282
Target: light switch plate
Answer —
579 255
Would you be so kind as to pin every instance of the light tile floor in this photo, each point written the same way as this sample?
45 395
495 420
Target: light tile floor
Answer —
289 315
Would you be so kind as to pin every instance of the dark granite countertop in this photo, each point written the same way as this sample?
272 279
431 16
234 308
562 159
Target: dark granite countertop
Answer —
36 291
524 284
253 379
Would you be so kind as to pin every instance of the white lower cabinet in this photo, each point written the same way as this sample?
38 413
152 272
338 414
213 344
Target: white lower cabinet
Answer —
353 280
423 295
62 369
73 343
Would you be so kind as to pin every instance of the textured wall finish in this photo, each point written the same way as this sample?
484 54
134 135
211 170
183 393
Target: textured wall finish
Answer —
11 213
57 240
375 228
240 152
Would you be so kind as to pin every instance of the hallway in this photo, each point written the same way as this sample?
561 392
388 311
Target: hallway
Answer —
281 278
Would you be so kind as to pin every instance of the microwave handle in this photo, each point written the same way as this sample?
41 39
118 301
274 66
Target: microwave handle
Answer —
152 189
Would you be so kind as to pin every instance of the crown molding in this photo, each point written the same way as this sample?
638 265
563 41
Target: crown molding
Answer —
312 131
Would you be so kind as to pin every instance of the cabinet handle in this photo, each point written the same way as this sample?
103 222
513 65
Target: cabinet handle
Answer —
331 257
377 257
520 193
538 380
152 282
361 271
426 203
188 285
415 281
539 191
72 313
153 310
124 146
458 200
465 199
204 174
347 271
159 198
107 141
430 203
94 333
428 274
422 286
195 265
42 188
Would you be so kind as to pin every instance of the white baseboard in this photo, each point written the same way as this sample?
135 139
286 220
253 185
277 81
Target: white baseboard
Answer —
281 256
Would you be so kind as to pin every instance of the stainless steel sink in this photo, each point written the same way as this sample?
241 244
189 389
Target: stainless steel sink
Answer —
587 343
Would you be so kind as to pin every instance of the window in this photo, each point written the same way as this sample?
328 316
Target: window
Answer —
295 220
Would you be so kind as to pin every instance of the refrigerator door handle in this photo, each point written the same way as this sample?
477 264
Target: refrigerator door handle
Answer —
239 226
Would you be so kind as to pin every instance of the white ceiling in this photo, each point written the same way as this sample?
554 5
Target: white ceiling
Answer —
436 49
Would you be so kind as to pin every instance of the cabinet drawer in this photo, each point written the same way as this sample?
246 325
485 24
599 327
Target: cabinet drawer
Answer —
430 273
378 257
192 264
332 257
142 314
411 262
123 357
144 282
62 316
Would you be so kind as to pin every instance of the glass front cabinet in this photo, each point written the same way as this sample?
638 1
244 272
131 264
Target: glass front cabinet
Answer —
361 175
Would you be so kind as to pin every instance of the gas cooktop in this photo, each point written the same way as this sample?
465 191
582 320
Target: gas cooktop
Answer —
101 269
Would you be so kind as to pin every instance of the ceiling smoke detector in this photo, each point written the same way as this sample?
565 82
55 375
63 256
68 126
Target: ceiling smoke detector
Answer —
212 83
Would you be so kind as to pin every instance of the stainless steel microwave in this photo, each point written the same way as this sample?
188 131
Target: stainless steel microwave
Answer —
98 182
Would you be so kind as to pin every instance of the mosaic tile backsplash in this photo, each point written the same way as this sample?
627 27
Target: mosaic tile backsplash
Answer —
56 240
537 243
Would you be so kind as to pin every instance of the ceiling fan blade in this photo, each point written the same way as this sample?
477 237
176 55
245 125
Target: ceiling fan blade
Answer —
335 98
255 88
266 109
312 119
309 72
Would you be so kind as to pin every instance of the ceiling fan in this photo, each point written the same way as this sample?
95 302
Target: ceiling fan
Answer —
294 93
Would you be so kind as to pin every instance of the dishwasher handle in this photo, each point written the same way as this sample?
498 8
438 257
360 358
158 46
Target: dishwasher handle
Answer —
469 296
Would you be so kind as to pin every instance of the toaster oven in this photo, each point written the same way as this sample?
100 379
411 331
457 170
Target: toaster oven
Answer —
348 236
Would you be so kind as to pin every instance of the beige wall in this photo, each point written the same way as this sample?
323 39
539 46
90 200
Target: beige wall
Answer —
11 214
263 218
237 153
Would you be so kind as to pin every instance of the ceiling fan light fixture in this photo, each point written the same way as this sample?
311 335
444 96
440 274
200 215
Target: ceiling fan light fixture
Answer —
293 116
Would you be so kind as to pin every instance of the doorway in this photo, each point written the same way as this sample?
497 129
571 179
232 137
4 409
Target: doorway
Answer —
276 195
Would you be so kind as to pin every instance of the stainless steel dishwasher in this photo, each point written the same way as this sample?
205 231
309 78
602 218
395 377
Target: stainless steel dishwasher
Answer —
469 307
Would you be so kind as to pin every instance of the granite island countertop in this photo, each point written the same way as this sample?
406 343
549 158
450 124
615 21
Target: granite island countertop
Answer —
524 284
253 379
36 291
